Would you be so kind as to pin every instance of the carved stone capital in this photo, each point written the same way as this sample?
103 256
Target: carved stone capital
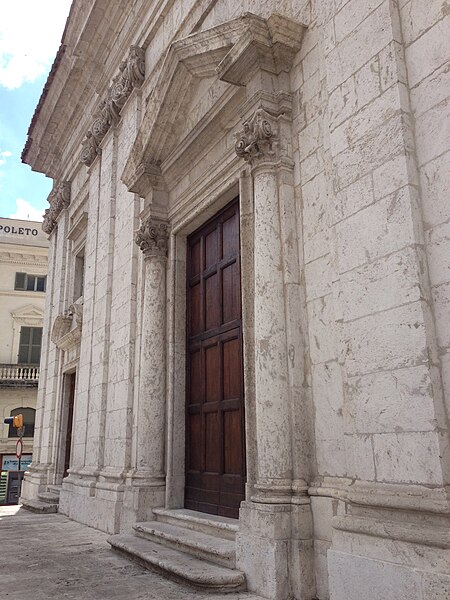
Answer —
131 75
152 238
58 199
258 140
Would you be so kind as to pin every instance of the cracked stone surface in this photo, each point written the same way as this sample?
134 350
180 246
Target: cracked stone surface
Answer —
50 556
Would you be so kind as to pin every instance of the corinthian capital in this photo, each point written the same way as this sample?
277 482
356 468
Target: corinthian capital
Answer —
258 140
152 237
58 199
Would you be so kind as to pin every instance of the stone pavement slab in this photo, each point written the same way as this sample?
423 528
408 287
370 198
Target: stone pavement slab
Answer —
45 556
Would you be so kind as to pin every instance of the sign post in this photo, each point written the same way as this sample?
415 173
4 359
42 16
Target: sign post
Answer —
19 449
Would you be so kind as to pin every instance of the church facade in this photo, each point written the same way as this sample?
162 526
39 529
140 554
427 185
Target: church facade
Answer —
247 330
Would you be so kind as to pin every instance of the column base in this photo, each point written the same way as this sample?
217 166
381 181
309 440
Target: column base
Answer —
35 481
93 500
141 495
274 548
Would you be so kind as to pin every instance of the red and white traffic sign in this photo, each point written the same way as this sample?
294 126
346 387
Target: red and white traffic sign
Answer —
19 448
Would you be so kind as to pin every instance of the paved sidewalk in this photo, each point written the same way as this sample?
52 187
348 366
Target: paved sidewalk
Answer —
45 557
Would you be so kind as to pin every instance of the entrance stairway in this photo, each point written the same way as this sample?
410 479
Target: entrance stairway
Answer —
190 547
47 502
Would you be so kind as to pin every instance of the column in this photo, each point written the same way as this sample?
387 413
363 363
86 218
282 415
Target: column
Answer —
257 145
274 539
152 238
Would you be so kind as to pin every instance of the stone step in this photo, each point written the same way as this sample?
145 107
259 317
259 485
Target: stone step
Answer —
38 506
221 527
54 489
202 545
49 497
179 566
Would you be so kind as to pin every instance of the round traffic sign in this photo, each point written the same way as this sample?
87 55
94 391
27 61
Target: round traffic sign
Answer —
19 448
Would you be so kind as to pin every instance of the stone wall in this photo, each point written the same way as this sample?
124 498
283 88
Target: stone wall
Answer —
364 216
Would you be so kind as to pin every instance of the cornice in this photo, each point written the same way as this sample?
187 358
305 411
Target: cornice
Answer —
78 75
18 293
13 258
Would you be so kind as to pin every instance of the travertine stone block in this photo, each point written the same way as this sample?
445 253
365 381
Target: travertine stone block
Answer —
386 282
384 341
408 457
372 579
432 131
438 246
435 186
392 401
392 229
364 42
428 52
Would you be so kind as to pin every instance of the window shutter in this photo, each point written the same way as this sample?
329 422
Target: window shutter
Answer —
24 345
20 283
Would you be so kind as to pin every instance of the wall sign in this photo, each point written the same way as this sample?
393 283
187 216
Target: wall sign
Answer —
18 230
11 462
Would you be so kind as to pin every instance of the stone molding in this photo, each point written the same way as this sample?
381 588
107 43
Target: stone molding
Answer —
258 139
152 238
231 52
384 496
14 258
66 330
131 75
29 315
146 176
58 199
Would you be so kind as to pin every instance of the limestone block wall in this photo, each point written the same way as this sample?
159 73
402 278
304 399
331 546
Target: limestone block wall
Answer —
370 100
379 411
427 52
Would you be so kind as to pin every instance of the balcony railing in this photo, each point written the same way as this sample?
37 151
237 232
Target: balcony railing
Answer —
19 374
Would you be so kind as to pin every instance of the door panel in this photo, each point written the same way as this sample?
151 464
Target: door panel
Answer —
215 442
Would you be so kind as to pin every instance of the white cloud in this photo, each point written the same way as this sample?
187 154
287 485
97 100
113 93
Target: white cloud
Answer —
30 34
26 212
3 156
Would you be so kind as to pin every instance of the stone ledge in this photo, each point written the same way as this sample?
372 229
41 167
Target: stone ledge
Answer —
405 532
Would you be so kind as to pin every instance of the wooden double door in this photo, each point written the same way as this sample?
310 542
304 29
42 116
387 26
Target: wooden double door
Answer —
215 434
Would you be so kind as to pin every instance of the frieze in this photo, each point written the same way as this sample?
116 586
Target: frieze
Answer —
152 237
257 141
131 75
58 199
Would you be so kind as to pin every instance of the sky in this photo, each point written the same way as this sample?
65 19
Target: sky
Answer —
30 35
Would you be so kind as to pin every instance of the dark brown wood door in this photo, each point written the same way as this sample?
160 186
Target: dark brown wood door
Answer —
215 441
71 400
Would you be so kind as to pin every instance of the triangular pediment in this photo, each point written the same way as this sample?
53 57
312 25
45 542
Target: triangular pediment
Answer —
28 315
200 68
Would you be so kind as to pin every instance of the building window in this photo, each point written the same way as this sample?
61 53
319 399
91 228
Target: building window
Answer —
28 422
78 283
30 283
30 345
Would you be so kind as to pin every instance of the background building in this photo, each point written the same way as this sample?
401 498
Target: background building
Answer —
23 278
272 345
